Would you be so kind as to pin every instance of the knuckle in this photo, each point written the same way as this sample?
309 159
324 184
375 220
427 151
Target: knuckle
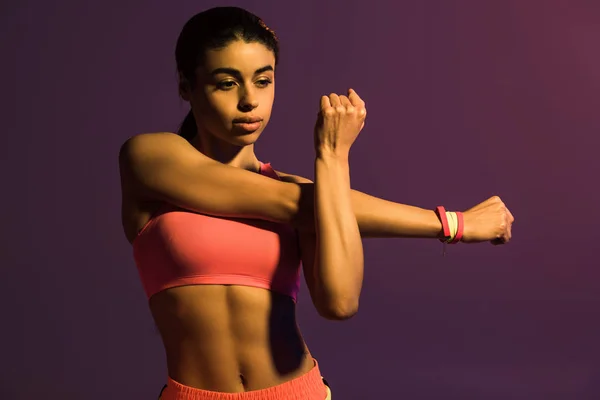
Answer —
340 109
329 112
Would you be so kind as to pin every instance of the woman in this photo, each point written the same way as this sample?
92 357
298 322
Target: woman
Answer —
218 236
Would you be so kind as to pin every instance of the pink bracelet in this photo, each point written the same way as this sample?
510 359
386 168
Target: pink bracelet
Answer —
441 213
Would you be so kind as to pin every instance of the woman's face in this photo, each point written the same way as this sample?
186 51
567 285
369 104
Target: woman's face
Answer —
234 92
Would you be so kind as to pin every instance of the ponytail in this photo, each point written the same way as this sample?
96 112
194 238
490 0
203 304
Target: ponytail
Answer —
188 128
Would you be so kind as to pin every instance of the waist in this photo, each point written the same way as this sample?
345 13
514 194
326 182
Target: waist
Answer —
309 386
229 338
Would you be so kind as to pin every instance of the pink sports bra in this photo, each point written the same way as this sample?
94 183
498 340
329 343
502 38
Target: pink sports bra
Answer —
179 247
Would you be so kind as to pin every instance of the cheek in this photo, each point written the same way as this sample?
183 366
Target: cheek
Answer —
267 100
217 106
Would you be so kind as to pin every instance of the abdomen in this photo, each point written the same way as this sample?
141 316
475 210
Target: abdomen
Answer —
229 338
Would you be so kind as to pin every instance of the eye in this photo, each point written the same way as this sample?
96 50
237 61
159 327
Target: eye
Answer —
263 82
225 85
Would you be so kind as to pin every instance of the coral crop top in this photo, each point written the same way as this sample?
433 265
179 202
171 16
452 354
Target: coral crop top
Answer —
179 247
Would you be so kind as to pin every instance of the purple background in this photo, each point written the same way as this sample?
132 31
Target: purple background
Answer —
466 99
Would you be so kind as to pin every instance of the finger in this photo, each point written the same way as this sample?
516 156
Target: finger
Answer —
335 100
493 200
355 99
347 105
501 239
506 233
345 102
358 103
511 219
325 103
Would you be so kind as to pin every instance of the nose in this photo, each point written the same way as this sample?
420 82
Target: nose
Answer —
248 100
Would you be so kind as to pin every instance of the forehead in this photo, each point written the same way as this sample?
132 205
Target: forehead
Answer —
245 57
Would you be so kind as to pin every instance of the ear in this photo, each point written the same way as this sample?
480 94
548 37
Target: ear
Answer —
184 88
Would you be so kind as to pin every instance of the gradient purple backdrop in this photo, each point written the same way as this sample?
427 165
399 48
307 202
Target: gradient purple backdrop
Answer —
466 99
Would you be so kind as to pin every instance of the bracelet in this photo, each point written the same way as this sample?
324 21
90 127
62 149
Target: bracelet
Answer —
452 225
441 213
459 228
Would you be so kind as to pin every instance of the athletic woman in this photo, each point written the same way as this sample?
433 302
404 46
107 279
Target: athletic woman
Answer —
219 237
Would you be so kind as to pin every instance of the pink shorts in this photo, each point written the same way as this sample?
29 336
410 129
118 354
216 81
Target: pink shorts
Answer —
309 386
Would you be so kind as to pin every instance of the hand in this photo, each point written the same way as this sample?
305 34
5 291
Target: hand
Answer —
339 122
488 221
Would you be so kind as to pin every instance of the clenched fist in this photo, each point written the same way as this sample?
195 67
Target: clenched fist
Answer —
340 120
488 221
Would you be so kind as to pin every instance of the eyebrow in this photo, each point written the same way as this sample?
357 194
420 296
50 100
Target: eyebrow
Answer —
235 72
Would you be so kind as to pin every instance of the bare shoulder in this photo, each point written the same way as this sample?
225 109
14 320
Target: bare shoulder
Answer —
142 156
285 177
147 142
146 154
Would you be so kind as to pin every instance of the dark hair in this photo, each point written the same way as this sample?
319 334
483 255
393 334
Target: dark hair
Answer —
214 29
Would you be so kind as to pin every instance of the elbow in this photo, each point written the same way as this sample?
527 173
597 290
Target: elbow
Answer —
288 209
339 311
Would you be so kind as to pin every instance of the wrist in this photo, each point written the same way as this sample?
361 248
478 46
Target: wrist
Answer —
332 156
452 225
331 169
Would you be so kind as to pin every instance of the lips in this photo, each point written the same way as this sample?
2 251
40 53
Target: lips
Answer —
248 124
247 120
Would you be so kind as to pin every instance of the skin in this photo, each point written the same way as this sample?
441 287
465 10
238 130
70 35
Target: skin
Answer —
225 338
219 97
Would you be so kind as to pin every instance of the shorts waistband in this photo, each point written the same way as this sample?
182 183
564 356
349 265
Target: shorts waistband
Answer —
309 386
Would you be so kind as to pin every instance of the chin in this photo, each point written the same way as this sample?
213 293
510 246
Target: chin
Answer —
245 140
242 141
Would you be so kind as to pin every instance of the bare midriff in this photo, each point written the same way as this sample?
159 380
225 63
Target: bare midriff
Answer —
229 338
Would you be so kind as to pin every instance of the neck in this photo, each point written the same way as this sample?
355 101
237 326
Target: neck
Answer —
226 153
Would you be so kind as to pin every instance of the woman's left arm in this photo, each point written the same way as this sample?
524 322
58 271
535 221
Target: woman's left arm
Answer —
379 218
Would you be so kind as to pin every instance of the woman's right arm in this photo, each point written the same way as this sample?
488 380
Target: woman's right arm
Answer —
165 167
